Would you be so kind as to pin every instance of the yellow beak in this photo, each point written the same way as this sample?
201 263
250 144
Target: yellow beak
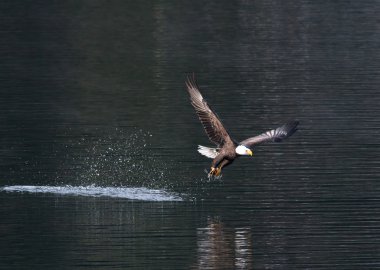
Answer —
249 152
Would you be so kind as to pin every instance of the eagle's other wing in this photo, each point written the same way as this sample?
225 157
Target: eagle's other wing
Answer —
211 123
274 135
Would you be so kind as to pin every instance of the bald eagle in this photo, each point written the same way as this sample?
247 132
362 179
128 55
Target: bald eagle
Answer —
227 149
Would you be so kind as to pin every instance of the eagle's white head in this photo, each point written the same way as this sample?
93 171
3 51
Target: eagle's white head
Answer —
243 151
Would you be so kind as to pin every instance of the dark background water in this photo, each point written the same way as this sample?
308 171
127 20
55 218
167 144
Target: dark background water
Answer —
92 93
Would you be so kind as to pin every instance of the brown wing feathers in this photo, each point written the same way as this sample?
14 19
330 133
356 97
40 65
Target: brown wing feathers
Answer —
215 129
211 123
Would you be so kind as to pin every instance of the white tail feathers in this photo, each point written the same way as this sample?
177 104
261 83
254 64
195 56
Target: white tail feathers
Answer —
208 151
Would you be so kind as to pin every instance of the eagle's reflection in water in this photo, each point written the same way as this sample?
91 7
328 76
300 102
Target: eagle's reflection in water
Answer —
221 247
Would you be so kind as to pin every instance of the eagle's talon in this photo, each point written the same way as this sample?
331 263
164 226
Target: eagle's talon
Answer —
214 172
211 173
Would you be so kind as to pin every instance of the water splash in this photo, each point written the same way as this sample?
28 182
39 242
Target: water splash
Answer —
143 194
112 159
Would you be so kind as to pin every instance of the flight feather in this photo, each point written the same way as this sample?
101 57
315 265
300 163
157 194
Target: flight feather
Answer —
210 121
274 135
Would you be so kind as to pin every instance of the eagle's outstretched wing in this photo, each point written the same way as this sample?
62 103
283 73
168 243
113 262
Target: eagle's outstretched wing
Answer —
211 123
274 135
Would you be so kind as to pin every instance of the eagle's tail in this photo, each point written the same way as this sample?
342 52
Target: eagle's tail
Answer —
208 151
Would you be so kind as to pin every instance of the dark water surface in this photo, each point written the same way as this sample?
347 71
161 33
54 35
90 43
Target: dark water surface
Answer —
93 104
